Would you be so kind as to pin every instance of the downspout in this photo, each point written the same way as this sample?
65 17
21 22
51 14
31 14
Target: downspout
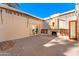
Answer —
27 22
58 23
28 25
1 17
58 34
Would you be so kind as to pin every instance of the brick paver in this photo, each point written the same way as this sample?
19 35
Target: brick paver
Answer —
42 45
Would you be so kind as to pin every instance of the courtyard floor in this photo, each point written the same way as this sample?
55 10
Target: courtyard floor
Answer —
43 45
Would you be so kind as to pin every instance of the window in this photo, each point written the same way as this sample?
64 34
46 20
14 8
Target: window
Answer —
10 12
44 31
67 16
17 14
14 13
0 10
53 24
6 11
23 15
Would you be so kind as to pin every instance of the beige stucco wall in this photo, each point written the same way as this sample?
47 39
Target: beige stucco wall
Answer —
45 24
71 18
15 27
63 21
59 24
63 24
55 20
78 29
33 21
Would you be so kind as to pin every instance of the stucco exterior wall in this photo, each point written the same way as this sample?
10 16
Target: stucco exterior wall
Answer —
58 24
63 20
55 23
15 27
63 24
33 21
77 29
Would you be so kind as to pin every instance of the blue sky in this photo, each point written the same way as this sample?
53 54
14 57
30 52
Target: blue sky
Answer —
44 10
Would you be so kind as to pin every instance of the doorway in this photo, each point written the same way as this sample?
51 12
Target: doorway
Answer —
44 31
73 30
34 29
54 33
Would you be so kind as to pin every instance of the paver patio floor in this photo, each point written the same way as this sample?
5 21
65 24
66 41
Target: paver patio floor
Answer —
42 45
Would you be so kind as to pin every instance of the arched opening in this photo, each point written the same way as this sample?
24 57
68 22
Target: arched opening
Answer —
54 33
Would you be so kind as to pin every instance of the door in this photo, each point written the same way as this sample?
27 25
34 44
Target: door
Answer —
73 30
34 29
